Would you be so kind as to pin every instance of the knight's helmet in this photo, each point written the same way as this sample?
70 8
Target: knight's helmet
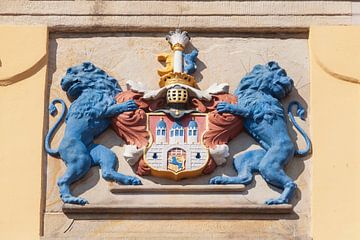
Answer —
176 75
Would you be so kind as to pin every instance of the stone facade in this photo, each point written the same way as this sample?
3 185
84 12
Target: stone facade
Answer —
154 16
222 58
231 36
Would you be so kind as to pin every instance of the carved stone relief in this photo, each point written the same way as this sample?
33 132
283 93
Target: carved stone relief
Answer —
225 59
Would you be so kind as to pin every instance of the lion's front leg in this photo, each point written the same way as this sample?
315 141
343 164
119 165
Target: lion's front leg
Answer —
119 108
236 109
107 160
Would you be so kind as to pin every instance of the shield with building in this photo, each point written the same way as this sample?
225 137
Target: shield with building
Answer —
176 148
177 133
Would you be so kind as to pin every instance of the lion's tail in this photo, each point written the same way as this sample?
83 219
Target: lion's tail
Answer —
301 113
53 111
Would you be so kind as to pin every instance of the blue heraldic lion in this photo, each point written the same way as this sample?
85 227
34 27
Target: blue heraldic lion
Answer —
259 94
92 92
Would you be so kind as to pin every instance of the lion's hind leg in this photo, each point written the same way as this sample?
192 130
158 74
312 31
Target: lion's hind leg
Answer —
245 164
286 195
78 163
71 175
107 160
272 170
277 177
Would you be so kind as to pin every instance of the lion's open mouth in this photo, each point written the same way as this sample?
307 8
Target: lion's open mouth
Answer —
74 88
279 90
73 85
67 82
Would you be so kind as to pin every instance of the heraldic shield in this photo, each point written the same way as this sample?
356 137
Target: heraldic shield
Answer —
176 148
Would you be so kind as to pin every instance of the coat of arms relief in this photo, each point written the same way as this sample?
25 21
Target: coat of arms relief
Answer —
177 131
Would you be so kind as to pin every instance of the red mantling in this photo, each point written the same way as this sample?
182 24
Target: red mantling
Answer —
131 126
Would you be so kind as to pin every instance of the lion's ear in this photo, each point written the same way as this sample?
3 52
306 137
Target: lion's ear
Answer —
257 69
69 70
88 67
272 65
101 72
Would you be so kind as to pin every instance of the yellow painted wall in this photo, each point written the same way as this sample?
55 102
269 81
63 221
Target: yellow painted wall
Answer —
23 56
335 126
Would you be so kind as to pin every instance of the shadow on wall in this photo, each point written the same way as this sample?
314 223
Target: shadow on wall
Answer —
200 64
36 67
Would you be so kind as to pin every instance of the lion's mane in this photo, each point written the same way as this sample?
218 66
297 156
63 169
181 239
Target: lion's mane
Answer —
255 92
98 90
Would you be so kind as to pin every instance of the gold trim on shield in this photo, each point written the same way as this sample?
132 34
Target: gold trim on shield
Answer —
170 174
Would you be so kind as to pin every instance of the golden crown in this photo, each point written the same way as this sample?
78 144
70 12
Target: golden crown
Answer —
173 72
177 78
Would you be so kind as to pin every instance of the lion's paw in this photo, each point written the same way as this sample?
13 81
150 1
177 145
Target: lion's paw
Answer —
276 201
224 107
132 181
131 105
74 200
220 180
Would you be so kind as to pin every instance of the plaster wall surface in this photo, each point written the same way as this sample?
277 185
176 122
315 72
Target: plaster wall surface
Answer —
335 89
22 101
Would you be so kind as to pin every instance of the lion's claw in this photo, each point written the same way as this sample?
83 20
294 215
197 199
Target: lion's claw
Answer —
74 200
224 107
276 201
132 181
135 181
229 180
219 180
131 105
